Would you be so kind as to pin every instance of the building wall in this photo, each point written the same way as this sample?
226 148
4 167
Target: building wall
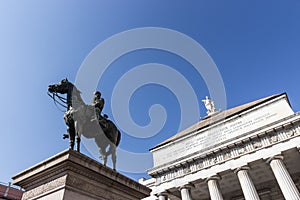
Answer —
8 192
249 158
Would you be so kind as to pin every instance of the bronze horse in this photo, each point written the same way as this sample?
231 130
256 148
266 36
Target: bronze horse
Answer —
78 119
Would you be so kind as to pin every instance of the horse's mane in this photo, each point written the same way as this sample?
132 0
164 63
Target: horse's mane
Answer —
77 92
76 89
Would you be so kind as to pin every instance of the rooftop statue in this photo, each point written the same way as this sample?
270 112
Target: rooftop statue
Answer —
210 106
86 120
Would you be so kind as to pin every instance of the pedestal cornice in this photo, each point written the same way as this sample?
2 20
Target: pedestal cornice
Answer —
70 169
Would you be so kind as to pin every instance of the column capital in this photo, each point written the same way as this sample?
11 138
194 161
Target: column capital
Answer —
186 186
277 157
246 167
164 193
185 191
214 177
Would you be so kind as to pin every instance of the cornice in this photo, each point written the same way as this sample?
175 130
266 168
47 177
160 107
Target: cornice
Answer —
224 146
71 163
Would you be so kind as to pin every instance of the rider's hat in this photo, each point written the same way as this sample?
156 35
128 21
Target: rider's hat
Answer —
97 93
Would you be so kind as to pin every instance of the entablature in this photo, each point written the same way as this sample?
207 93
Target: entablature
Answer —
278 132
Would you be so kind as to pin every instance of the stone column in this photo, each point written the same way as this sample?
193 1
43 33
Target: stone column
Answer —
213 187
283 178
163 196
247 185
186 192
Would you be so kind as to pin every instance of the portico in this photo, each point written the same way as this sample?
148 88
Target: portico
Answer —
249 152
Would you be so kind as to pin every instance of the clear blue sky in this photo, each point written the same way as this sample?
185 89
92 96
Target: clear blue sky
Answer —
255 45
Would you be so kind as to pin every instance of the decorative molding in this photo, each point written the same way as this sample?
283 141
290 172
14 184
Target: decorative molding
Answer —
186 186
263 140
257 144
88 188
45 188
241 168
165 194
215 177
277 157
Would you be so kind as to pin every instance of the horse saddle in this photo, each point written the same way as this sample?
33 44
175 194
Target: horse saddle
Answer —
103 123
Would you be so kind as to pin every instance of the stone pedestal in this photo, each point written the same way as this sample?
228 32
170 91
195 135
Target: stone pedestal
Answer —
72 175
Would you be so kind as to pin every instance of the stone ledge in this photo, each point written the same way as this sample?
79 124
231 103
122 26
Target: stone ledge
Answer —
74 172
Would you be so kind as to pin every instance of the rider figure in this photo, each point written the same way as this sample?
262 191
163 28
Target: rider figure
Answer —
98 103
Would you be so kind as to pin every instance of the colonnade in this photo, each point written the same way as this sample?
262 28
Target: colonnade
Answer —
282 176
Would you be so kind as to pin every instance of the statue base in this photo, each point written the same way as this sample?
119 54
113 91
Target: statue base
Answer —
72 175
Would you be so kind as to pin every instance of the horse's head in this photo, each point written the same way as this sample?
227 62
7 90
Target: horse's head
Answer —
63 87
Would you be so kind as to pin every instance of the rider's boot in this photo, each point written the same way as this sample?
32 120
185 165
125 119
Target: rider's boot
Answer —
65 136
97 115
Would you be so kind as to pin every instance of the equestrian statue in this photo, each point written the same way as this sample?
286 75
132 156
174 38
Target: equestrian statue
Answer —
86 120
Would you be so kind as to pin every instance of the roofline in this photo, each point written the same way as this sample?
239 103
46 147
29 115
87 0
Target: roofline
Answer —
228 116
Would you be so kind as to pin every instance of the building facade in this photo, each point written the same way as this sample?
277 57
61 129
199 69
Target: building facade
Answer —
248 152
8 192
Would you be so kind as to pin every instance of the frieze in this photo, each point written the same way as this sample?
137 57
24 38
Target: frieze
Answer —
230 153
89 188
291 132
34 183
274 138
242 150
257 144
226 155
45 188
213 161
187 170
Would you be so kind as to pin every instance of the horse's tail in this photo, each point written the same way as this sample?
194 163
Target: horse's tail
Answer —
118 138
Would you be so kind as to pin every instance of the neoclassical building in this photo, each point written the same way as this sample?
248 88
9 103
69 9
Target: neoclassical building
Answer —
247 152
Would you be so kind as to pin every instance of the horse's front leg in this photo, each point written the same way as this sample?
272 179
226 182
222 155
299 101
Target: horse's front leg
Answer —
113 156
77 131
71 132
78 142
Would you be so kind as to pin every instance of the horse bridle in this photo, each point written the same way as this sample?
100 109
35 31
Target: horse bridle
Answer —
62 102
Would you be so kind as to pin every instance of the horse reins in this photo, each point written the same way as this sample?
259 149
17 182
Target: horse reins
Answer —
62 99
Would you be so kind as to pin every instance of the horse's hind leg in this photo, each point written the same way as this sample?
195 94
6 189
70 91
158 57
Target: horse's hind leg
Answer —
114 158
103 156
112 151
